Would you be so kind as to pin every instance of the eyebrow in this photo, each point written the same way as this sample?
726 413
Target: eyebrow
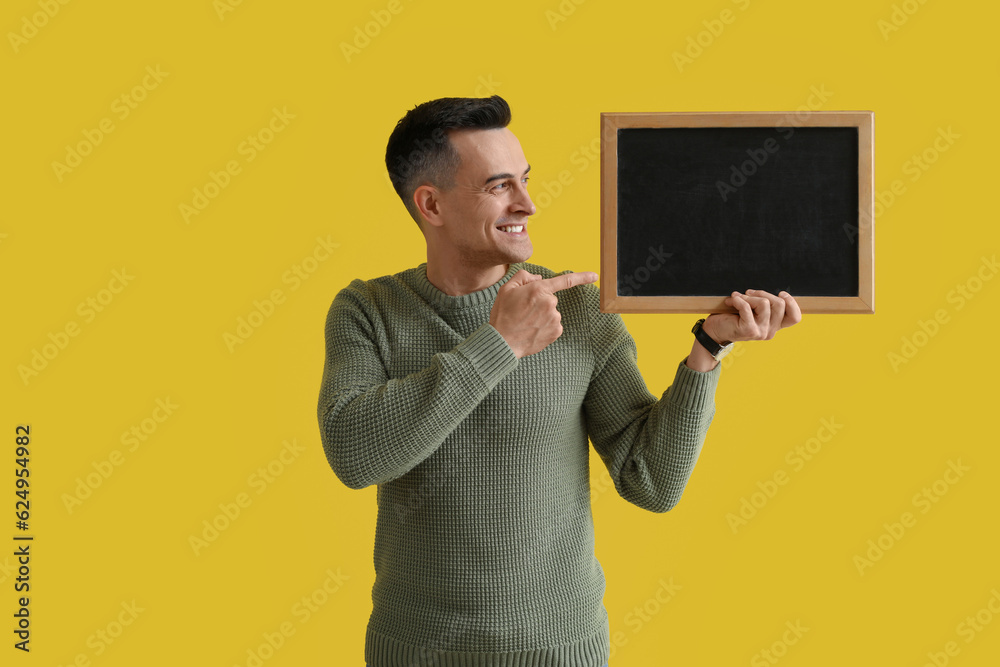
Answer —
501 176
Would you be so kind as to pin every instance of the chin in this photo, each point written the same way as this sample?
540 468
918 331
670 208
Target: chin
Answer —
522 256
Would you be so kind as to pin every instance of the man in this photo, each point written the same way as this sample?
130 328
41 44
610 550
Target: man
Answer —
466 389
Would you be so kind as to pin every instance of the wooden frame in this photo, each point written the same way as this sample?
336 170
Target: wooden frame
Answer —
611 298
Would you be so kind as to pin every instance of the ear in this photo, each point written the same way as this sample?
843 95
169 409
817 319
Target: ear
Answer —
428 203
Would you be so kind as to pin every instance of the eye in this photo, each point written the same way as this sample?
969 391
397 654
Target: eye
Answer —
505 185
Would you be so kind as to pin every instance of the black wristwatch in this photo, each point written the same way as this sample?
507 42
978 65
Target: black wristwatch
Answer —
717 350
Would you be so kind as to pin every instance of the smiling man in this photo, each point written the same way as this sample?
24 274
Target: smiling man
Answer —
468 390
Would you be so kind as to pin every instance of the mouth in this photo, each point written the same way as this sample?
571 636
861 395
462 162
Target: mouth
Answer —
513 230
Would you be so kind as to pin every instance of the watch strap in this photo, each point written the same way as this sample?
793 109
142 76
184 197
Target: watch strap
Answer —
706 341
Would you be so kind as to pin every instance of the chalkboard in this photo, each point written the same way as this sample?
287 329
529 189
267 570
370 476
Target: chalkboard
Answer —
698 205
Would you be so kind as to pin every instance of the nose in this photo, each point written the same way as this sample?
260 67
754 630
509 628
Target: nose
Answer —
521 203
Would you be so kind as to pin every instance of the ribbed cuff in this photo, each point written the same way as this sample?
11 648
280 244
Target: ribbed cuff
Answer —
384 651
489 353
694 390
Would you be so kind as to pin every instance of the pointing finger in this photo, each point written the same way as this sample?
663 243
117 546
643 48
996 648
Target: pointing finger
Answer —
567 280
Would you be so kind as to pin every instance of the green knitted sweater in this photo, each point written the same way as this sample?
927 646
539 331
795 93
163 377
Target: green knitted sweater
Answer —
484 541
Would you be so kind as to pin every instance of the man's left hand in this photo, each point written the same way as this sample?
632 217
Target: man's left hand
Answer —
759 316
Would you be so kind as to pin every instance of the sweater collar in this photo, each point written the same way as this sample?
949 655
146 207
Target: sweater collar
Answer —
440 300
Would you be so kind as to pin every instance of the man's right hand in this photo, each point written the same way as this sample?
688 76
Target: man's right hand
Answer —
525 313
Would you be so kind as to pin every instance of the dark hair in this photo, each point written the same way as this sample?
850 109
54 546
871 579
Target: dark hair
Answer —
419 150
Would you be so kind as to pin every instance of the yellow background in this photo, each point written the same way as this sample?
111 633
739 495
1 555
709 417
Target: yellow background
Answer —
162 336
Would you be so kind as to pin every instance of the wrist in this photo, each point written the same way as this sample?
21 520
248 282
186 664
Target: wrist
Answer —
709 327
712 346
699 359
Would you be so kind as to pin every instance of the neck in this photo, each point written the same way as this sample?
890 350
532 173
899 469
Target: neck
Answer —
461 280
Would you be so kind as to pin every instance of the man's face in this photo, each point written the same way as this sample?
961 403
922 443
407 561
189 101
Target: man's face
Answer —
485 214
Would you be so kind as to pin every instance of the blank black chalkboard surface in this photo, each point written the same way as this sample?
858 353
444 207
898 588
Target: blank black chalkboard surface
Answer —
695 206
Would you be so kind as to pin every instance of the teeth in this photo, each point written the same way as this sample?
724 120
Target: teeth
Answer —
512 228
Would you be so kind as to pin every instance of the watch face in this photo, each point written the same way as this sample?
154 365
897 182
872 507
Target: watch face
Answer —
723 352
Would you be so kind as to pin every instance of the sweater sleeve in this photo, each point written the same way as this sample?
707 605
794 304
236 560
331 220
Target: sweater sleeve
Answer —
649 446
375 428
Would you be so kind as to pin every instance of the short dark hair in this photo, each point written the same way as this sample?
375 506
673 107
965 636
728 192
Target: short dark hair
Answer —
419 150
